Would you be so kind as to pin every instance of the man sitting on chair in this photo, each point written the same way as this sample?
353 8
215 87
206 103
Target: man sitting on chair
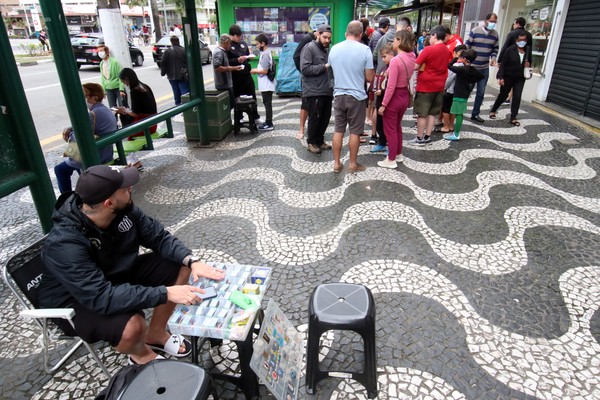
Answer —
91 264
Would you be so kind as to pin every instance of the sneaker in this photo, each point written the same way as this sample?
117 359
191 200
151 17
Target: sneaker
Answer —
373 140
387 163
419 141
451 136
313 148
426 139
325 146
265 127
478 119
378 149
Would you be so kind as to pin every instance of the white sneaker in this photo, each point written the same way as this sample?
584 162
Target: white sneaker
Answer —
386 163
399 158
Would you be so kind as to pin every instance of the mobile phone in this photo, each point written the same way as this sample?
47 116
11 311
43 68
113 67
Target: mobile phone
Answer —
209 293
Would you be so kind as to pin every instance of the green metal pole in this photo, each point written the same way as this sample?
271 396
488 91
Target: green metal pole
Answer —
69 80
25 135
195 67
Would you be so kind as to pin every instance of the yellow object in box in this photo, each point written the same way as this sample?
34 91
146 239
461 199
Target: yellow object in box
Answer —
251 288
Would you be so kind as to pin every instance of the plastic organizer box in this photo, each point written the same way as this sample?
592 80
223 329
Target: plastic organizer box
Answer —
218 317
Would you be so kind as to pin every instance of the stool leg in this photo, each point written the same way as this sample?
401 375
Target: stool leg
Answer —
370 363
312 357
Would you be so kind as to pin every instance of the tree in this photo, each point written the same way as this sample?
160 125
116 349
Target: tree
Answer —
180 5
111 20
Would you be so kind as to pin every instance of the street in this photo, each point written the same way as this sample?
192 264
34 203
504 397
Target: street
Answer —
47 104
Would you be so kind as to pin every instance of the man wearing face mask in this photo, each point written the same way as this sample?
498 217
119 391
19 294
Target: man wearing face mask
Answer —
484 40
109 78
92 264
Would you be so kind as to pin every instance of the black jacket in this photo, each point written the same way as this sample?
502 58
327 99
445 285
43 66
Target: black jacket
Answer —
466 77
80 259
512 37
510 64
235 51
315 77
174 63
309 37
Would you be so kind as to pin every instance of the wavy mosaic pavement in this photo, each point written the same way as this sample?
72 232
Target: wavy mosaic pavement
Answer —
482 254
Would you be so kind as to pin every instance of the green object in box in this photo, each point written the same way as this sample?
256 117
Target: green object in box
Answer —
218 112
217 105
219 130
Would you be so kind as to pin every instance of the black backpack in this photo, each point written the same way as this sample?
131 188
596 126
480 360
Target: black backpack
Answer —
273 70
119 382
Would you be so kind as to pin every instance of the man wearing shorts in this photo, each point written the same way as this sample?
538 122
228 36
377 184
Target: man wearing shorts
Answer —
352 63
430 83
91 264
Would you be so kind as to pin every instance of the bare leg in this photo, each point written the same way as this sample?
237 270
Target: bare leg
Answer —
303 118
446 127
353 144
157 332
451 124
421 125
132 341
374 122
429 126
336 143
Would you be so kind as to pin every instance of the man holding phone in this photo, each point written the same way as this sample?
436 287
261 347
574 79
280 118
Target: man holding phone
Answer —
92 264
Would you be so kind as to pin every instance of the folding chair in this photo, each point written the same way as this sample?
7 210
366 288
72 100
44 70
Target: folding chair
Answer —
23 275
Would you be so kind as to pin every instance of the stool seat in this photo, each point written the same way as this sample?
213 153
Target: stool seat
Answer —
167 379
341 303
341 306
241 100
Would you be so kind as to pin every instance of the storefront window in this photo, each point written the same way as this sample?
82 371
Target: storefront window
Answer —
280 24
539 15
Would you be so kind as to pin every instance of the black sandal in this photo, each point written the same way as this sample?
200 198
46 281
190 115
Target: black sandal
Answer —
492 115
514 122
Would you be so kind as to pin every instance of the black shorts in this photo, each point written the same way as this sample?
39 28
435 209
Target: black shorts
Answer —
447 102
149 270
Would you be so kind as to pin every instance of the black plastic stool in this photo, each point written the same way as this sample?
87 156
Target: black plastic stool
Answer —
341 306
248 106
167 379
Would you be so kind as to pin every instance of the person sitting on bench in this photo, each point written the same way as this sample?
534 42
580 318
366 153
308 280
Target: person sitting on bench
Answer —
92 264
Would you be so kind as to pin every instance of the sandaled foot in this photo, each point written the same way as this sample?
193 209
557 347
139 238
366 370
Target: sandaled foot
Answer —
356 168
514 122
131 361
492 115
176 346
338 168
300 135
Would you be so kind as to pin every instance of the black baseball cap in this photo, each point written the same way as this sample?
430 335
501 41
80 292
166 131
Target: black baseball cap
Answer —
384 22
324 28
99 182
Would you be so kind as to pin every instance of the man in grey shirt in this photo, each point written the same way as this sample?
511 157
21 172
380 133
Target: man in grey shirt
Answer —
402 25
222 69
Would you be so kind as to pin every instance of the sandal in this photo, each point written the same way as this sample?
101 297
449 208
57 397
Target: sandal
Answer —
363 140
172 346
514 122
440 129
492 115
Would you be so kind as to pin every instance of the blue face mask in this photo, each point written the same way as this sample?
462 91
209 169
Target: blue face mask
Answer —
491 26
522 43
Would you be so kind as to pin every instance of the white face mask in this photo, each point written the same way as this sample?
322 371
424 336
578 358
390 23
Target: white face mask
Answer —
101 54
491 26
522 43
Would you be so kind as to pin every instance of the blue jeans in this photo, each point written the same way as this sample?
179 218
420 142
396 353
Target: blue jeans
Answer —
63 172
179 87
481 84
114 97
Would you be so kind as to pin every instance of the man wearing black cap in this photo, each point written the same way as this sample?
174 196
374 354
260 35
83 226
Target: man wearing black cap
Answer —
384 25
92 264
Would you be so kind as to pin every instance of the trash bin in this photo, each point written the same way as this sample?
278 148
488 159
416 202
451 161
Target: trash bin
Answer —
219 116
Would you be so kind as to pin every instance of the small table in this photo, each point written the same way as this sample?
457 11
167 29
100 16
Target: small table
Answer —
219 318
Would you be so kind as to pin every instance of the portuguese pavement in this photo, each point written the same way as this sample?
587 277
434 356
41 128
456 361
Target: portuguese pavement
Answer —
483 255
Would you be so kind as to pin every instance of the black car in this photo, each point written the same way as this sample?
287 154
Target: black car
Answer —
165 42
85 49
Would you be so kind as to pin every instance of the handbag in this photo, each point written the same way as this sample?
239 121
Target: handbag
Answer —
72 151
272 70
411 100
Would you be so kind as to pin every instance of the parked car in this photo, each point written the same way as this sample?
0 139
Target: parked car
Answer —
85 48
165 42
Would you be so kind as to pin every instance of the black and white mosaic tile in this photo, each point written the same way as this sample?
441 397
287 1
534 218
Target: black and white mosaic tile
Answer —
482 255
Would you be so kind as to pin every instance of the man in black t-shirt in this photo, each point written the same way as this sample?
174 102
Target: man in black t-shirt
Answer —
309 37
238 53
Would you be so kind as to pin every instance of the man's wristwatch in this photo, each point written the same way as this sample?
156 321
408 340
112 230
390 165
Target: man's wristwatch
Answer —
191 260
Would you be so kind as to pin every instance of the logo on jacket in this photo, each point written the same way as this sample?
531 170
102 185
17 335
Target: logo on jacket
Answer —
35 282
96 243
125 225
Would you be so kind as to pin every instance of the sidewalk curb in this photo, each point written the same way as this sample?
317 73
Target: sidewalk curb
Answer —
35 62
